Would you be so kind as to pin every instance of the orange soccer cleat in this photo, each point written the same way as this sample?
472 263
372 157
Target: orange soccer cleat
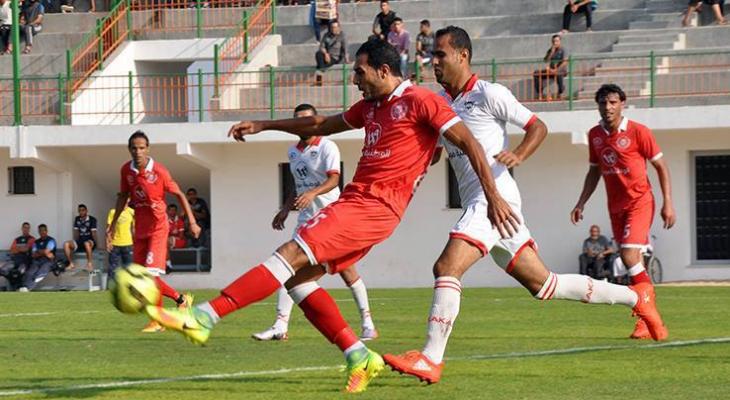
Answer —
646 310
641 331
416 364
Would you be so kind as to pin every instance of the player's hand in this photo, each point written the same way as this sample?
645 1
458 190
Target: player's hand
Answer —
195 230
508 158
668 215
279 218
243 128
502 216
576 215
304 200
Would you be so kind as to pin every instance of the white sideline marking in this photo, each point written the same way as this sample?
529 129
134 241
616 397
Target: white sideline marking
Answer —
38 314
240 374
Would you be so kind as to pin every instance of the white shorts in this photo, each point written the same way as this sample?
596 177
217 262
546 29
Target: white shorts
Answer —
475 228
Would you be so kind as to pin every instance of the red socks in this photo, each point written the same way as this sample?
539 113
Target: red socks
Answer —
166 290
321 310
255 285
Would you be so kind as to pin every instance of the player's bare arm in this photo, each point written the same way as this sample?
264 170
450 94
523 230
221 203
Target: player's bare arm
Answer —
194 227
499 212
668 215
589 186
305 199
315 125
534 136
122 198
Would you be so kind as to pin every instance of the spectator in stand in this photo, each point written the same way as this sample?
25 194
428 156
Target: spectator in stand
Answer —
596 249
176 238
43 256
31 19
696 5
323 13
120 247
19 256
6 23
67 6
574 7
556 59
84 238
383 21
202 216
401 40
424 44
332 50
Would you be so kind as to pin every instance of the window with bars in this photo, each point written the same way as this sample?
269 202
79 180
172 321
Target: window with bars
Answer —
286 181
712 206
21 180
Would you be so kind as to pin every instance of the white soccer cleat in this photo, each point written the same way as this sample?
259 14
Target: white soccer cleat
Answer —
271 334
369 334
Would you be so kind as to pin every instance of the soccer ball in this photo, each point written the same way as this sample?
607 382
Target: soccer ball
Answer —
133 288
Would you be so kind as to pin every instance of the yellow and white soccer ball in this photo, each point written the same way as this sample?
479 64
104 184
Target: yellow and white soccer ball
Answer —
133 288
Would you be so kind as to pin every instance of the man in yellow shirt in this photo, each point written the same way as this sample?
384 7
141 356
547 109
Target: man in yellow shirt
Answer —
120 248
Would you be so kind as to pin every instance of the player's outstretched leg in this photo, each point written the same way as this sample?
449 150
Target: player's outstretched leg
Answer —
632 257
182 301
278 331
360 293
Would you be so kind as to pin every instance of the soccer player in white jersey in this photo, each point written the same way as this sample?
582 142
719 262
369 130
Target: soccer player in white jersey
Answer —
315 165
486 108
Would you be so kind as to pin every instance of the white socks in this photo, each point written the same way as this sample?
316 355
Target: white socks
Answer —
360 294
279 267
585 289
636 269
208 309
284 304
444 309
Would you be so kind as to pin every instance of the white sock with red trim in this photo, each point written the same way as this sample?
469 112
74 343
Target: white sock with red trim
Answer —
360 294
444 309
284 305
585 289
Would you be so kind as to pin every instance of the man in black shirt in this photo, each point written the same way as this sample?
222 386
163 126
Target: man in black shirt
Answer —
383 21
19 257
556 59
84 238
202 216
43 254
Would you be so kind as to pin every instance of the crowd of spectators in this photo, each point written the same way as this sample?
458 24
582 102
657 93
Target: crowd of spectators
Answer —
31 259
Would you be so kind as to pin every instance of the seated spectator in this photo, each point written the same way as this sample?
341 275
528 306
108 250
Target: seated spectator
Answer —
31 18
84 239
202 216
19 257
574 7
67 6
120 248
696 5
43 256
556 59
383 21
596 249
424 44
6 23
401 40
332 50
323 14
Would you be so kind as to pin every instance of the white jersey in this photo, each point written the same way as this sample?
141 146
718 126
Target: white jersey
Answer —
486 108
310 167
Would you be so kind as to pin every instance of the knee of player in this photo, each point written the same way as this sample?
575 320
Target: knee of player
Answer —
293 254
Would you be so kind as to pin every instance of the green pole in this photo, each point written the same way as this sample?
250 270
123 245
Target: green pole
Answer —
272 91
130 36
652 77
100 46
570 83
216 70
245 36
200 95
494 70
345 94
61 111
273 17
69 72
198 19
131 99
15 33
417 68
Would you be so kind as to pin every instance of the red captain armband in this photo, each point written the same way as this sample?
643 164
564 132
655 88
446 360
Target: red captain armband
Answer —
530 122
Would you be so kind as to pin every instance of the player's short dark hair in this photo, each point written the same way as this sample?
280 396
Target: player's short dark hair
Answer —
458 38
172 205
305 107
397 19
192 189
384 1
554 36
137 135
425 22
25 224
608 88
381 53
82 205
42 226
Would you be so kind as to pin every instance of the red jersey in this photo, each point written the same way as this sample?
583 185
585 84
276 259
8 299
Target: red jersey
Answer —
177 227
147 190
621 156
401 133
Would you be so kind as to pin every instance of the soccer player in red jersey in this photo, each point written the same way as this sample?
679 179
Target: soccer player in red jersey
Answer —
146 181
618 150
402 124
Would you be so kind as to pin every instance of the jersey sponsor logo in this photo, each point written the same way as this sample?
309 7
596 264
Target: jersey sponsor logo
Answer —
372 134
398 110
139 193
301 170
609 157
623 142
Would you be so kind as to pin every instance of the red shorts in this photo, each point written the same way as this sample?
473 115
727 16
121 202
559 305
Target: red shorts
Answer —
631 226
151 252
344 232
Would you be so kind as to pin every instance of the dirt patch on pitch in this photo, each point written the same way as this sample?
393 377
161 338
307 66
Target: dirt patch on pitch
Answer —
697 283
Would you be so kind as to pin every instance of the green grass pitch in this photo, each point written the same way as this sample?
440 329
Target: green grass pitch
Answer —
77 346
